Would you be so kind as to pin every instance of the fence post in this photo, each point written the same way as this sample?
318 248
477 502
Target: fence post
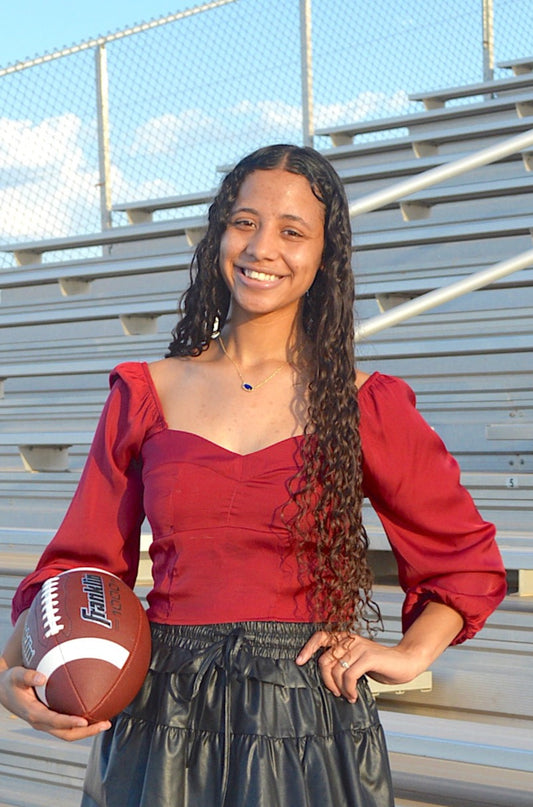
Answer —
104 161
488 40
306 55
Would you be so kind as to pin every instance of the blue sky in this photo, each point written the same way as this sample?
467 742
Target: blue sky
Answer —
32 27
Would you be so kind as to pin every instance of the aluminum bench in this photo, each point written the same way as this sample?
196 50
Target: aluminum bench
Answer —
75 277
429 143
190 229
142 210
437 98
518 66
344 133
45 451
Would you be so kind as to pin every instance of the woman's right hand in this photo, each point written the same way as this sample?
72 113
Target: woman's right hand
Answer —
17 694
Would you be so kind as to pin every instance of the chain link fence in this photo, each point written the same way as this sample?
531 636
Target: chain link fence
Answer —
192 93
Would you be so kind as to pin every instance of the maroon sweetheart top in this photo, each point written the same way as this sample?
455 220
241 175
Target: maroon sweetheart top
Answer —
220 549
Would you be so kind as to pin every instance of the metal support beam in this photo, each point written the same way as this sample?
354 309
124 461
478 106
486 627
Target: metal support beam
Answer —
488 40
104 159
306 53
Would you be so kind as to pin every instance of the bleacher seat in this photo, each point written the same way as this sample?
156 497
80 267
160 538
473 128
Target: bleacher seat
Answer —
518 66
142 210
436 98
343 134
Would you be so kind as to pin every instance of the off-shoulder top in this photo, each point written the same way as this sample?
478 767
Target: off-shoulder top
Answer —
221 549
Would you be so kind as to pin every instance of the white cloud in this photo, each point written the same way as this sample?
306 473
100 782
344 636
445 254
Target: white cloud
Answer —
48 186
365 106
49 183
278 115
162 135
24 144
38 209
272 114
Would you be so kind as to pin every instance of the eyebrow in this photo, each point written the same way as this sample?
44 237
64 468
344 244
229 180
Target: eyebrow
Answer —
289 216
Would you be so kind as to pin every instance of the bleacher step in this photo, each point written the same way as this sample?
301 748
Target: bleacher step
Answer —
457 784
408 803
36 769
460 740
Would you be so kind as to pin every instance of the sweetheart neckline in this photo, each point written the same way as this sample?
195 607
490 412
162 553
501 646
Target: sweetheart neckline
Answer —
291 438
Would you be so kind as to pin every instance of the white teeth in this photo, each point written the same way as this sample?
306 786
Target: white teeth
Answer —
258 275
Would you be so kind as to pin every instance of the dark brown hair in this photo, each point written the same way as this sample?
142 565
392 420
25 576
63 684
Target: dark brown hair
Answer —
324 512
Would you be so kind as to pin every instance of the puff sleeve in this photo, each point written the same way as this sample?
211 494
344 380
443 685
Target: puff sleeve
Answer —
103 522
445 551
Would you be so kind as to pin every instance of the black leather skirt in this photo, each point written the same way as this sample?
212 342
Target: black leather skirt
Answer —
227 719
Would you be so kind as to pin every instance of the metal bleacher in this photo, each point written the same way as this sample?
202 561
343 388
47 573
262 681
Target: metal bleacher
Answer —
464 737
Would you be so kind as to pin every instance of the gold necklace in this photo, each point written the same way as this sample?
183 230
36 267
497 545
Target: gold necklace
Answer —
245 385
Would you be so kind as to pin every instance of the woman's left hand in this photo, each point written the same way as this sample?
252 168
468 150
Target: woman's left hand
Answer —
347 657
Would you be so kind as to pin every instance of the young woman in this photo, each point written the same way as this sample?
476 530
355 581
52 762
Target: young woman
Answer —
250 449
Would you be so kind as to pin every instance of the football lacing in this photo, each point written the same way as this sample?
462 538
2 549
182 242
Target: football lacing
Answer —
49 608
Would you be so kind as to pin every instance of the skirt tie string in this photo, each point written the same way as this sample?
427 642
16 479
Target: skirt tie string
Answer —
220 654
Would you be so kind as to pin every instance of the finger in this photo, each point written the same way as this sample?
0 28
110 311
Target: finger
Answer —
45 719
24 678
346 676
33 710
30 679
319 639
350 679
24 703
66 727
326 672
340 674
73 734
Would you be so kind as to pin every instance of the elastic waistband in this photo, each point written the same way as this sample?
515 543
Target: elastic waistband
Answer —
275 639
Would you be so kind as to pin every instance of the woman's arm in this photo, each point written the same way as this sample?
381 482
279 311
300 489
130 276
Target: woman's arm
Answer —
17 694
101 528
102 525
446 552
347 657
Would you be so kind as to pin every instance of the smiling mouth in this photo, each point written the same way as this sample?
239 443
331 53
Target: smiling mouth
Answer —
253 274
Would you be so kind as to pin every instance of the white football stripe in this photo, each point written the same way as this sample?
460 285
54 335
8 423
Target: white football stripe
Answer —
74 649
88 569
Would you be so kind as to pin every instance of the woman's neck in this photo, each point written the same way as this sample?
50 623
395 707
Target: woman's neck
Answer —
253 341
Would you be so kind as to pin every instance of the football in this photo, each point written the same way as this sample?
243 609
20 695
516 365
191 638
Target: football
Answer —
88 633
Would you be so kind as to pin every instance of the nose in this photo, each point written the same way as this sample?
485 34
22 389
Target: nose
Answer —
261 245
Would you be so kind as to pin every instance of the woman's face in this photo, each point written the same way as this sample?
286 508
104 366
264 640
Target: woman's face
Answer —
272 247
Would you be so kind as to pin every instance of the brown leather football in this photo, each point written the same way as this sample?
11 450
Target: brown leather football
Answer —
89 634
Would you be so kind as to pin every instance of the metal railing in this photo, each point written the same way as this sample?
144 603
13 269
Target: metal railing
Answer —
432 299
90 44
400 190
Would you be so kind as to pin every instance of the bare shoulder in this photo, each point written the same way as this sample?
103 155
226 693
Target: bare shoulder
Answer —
360 378
176 369
166 372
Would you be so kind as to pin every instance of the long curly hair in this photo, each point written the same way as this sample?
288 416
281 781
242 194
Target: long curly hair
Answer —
323 513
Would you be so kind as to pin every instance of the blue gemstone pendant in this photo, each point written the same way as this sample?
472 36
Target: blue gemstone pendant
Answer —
247 387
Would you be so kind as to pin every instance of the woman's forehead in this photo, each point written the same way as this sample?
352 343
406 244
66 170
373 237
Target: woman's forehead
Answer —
276 189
